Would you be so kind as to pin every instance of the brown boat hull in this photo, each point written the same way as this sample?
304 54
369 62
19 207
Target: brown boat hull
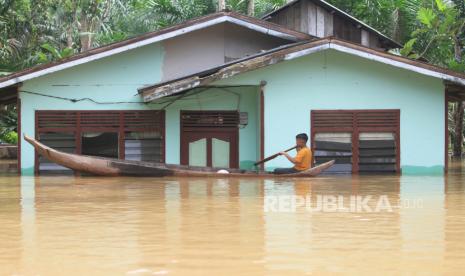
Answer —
117 167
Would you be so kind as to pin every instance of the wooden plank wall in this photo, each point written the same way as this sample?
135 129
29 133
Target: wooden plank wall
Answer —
347 30
307 17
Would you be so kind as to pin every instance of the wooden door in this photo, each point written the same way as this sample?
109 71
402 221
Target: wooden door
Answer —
210 138
210 148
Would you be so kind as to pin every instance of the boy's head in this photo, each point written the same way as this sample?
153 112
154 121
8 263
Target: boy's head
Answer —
301 139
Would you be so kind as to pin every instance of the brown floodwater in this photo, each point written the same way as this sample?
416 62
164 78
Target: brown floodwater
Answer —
146 226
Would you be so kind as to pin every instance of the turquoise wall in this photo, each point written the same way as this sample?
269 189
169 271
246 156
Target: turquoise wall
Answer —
217 99
116 79
111 79
325 80
335 80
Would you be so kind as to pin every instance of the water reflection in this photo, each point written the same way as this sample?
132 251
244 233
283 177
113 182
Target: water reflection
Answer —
145 226
10 223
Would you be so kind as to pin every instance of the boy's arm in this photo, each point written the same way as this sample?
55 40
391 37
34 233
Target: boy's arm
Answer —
291 159
294 160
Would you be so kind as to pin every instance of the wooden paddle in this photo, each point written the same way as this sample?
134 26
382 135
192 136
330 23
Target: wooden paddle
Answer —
272 156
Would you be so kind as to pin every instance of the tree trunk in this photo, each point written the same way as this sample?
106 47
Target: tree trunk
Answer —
458 131
251 8
69 37
85 34
221 5
458 113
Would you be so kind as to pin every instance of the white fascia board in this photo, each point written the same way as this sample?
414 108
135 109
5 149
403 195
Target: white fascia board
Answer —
398 64
261 29
114 51
377 58
142 43
308 51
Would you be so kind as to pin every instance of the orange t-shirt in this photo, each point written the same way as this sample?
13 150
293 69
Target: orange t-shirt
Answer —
303 159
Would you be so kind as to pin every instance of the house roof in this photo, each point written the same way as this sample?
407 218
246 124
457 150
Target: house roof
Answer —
340 12
204 78
152 37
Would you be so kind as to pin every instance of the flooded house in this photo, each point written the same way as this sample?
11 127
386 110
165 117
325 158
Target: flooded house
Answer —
225 90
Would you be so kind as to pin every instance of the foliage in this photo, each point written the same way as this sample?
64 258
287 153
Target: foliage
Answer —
439 35
429 29
33 32
396 18
9 138
8 124
50 53
261 6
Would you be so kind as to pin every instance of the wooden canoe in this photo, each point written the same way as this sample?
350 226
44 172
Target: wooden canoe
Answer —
117 167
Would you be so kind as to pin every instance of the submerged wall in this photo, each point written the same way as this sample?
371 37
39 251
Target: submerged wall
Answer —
334 80
243 99
113 82
325 80
112 79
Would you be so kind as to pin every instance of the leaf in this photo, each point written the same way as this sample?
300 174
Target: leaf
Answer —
417 32
51 49
456 66
441 5
66 52
408 47
414 56
426 16
42 58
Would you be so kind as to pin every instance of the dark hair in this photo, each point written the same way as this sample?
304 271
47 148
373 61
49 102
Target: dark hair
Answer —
302 136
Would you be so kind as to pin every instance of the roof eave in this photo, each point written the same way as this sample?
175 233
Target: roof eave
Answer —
161 90
153 37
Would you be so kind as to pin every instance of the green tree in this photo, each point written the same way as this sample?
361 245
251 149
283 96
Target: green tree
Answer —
395 18
439 37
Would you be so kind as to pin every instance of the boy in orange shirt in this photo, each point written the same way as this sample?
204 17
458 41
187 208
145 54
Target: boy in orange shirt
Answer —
303 158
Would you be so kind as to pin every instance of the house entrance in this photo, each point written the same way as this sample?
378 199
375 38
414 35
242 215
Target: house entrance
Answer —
210 138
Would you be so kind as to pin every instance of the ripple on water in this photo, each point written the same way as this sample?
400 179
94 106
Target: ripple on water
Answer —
149 226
